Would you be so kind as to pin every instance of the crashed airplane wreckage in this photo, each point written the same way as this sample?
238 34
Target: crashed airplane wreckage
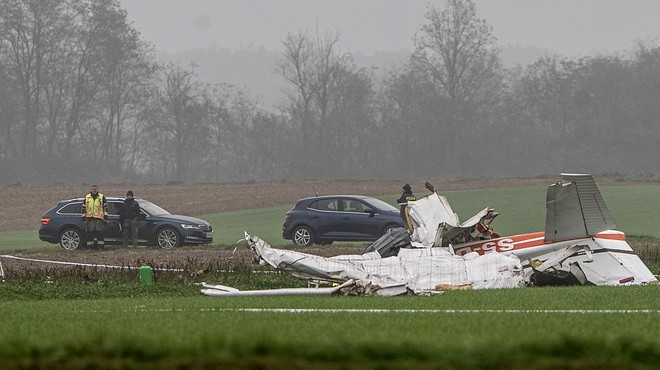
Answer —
437 252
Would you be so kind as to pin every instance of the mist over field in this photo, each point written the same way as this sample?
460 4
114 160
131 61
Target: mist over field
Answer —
160 92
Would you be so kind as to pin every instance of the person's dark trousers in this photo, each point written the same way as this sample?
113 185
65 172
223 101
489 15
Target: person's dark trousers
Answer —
130 228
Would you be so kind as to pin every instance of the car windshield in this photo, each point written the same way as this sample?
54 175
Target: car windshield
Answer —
383 206
152 209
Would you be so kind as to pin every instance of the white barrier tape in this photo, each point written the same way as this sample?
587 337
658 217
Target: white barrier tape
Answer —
83 264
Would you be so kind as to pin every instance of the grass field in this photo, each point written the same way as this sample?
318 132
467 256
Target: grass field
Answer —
165 328
522 210
99 320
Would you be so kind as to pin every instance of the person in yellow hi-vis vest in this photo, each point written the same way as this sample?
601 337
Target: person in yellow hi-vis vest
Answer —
95 214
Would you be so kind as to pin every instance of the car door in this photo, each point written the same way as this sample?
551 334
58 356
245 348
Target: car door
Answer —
112 229
325 217
147 225
358 218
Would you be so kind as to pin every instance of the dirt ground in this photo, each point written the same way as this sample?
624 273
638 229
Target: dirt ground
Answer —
22 206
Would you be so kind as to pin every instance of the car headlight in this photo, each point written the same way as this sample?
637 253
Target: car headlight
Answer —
190 226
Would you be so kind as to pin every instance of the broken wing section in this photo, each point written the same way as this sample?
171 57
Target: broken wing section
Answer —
605 259
419 270
381 271
575 209
225 291
615 262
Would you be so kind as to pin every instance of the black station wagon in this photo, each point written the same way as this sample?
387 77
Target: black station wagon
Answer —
63 224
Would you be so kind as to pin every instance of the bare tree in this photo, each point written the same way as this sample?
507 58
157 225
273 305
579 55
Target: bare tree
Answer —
351 122
80 71
458 52
183 118
74 63
315 68
8 113
329 69
32 30
139 138
298 67
412 118
645 96
128 72
221 131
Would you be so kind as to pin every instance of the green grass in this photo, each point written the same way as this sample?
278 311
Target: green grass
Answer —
229 227
20 240
521 328
522 210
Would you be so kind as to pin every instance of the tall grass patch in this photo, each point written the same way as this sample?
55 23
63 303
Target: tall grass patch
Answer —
235 273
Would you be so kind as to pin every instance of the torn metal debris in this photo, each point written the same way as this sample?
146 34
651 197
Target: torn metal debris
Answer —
411 270
442 253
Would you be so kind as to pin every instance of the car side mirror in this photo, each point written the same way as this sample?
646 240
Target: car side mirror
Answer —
370 212
142 217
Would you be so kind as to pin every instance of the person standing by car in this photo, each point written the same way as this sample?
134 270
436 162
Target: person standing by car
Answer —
129 218
95 214
406 196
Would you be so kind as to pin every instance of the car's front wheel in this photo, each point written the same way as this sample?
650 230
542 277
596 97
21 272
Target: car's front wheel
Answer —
303 236
71 239
167 238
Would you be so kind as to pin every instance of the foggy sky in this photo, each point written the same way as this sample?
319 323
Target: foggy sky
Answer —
569 27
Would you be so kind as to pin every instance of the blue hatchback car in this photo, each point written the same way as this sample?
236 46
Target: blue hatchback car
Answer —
329 218
63 224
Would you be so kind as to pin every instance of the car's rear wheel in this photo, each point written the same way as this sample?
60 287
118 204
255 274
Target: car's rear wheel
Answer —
71 239
303 236
167 238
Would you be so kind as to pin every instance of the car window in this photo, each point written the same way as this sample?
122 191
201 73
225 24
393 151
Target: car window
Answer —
151 208
352 205
383 205
71 208
366 207
119 206
325 204
114 208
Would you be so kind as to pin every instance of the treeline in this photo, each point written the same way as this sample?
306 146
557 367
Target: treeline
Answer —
82 98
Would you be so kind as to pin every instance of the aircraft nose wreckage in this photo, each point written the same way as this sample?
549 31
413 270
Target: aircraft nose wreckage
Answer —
437 252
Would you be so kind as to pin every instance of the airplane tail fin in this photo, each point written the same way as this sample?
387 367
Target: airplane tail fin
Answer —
575 209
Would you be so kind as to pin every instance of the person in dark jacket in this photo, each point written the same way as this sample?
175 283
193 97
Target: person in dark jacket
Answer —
129 217
406 196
